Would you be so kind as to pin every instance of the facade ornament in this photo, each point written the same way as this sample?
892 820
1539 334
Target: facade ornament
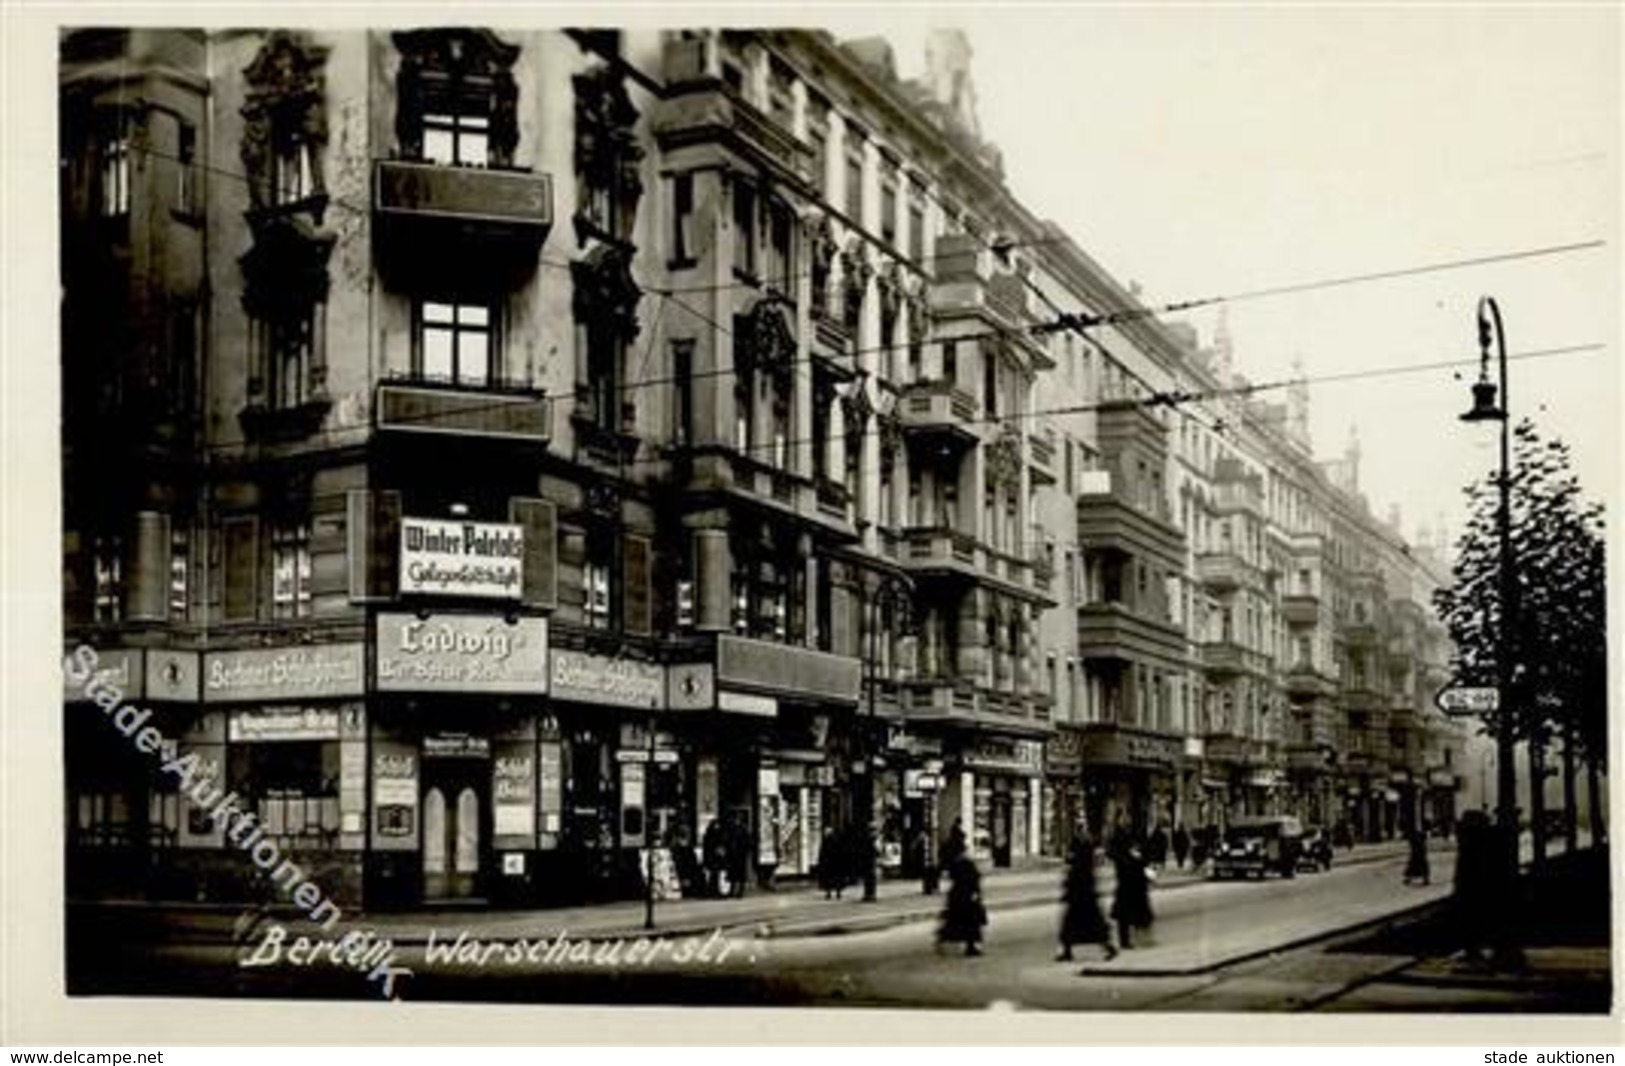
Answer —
889 287
768 345
821 242
604 289
918 313
285 112
466 71
607 155
1004 459
855 272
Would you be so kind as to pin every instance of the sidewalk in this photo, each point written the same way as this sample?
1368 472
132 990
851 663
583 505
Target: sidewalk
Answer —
794 911
1560 919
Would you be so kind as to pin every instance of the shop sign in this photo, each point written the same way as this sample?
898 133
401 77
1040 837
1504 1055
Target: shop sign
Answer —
589 678
258 674
119 668
455 746
997 753
1441 779
916 782
172 675
691 687
283 723
1264 778
454 558
395 784
513 794
1117 747
914 744
741 703
462 653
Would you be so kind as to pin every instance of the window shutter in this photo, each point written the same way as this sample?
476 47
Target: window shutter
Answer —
637 605
373 543
540 524
241 564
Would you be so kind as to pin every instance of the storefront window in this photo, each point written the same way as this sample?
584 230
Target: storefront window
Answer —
291 786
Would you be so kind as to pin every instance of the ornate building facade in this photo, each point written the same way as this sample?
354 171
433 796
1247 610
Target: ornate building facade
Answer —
496 453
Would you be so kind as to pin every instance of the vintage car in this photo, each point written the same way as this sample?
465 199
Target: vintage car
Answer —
1255 847
1316 850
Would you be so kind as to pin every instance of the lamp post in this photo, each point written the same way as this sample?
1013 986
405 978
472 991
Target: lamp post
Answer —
1485 409
894 595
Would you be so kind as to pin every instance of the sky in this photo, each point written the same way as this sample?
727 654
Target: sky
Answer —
1205 151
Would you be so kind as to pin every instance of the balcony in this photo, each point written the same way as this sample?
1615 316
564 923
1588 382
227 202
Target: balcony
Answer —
1236 750
1360 698
699 108
1112 631
1301 608
426 408
940 412
1234 490
1110 744
940 550
1305 682
1226 572
1041 457
460 220
1361 633
1226 658
1122 424
783 669
947 699
1109 521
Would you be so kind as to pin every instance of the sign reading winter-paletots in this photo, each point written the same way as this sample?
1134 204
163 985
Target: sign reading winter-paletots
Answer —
455 558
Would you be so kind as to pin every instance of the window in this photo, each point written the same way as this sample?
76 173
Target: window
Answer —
744 229
108 553
685 603
682 219
114 198
990 384
595 580
742 412
180 572
888 207
290 571
290 343
291 178
854 177
186 198
818 137
455 342
291 786
916 226
778 247
457 139
682 368
950 362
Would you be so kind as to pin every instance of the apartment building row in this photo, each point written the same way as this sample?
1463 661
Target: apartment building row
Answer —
500 452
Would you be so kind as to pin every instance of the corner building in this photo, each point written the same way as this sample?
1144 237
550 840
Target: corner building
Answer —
498 452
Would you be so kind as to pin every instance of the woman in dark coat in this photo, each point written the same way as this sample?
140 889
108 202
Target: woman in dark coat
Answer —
1416 867
964 916
1131 902
1182 844
831 865
1082 922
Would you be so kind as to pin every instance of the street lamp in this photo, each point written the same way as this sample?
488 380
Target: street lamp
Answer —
893 596
1485 409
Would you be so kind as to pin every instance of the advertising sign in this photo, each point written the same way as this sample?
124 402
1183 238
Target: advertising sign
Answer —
456 558
257 674
462 653
599 679
283 723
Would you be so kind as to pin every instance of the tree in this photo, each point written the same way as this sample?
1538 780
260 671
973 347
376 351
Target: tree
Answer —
1559 648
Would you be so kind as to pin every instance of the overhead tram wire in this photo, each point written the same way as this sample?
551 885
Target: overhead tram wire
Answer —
1065 320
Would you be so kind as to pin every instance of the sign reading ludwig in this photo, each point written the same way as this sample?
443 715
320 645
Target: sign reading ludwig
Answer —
454 558
461 653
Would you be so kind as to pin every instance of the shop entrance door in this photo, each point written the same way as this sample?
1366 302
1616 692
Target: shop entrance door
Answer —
456 837
1000 828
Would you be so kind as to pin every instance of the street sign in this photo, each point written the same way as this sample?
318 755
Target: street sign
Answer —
1464 702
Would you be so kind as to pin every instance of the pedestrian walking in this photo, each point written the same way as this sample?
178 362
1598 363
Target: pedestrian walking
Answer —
1156 847
1182 844
1081 920
737 847
964 916
1416 867
831 865
1131 901
714 854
